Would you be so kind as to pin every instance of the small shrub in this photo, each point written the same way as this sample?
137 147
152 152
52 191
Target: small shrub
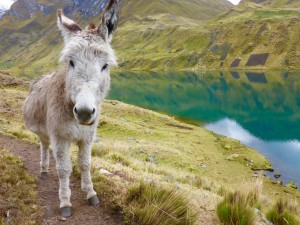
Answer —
222 191
120 159
235 209
150 205
99 151
198 182
253 194
282 213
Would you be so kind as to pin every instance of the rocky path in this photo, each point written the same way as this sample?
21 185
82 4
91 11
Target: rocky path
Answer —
48 191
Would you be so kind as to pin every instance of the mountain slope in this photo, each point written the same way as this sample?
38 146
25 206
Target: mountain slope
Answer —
257 35
30 42
272 3
161 35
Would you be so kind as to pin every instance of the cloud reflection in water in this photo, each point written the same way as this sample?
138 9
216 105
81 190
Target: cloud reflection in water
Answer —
284 155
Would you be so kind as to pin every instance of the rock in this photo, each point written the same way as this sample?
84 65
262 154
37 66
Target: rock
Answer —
122 120
97 139
232 157
292 185
105 172
278 182
203 165
177 185
148 179
262 220
150 158
227 147
166 178
63 218
277 175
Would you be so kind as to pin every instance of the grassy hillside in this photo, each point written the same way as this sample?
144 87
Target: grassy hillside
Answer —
272 3
31 46
158 35
138 145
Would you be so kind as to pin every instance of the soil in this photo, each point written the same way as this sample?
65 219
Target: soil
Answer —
48 191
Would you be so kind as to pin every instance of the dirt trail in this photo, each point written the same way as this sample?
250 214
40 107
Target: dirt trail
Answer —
48 190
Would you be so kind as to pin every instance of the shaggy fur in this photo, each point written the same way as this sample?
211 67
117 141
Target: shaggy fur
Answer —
64 107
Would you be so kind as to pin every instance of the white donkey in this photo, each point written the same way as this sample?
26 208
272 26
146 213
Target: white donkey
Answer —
63 107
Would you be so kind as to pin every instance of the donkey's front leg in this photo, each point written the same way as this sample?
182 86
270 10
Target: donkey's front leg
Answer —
64 170
84 163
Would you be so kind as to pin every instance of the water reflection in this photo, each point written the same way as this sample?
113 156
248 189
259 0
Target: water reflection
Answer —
265 105
278 152
256 77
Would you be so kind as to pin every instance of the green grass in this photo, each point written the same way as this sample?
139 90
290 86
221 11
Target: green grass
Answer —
179 36
263 14
128 135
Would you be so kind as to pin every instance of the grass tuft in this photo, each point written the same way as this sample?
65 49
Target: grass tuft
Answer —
120 159
150 205
283 213
235 209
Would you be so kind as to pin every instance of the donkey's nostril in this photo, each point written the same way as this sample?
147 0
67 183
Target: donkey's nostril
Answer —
75 110
94 110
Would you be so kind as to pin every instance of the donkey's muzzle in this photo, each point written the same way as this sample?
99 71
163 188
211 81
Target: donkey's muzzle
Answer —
85 115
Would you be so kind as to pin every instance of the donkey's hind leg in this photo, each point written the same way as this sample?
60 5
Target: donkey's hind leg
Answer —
44 154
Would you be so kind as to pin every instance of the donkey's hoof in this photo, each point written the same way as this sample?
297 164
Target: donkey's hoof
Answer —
93 201
44 175
66 211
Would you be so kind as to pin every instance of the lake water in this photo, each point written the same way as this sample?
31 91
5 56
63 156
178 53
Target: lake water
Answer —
262 110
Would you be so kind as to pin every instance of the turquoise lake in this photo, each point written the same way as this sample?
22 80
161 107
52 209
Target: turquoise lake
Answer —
262 110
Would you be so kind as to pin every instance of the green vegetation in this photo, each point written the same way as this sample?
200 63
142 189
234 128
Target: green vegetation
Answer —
159 35
155 205
168 157
238 207
235 209
283 212
18 197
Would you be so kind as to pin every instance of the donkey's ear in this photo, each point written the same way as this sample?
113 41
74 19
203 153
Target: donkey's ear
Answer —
110 20
66 25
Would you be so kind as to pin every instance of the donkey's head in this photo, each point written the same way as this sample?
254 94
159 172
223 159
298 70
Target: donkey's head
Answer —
89 57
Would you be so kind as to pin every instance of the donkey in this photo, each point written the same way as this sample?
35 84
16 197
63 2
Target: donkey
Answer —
64 107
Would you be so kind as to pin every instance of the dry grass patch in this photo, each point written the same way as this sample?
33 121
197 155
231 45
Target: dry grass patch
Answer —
18 197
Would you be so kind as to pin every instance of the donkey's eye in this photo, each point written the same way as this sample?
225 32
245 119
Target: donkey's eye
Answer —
72 63
104 67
